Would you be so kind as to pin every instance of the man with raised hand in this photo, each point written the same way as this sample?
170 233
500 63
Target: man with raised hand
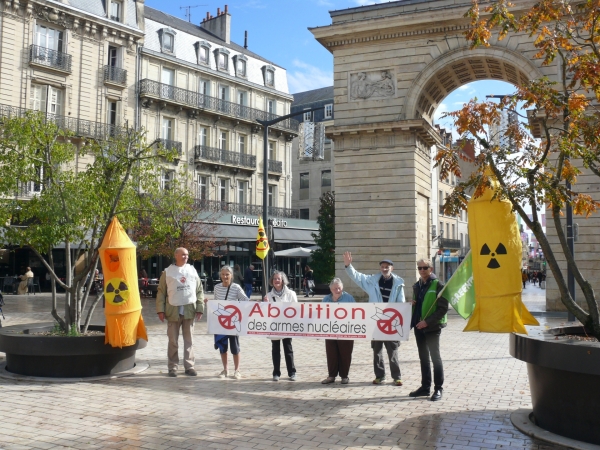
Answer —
383 287
180 299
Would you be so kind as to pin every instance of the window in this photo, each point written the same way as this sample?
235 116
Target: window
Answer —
167 40
461 240
204 87
328 111
326 178
49 38
223 140
269 75
222 59
112 115
272 151
271 196
447 231
166 179
167 129
202 187
242 190
222 190
441 202
116 10
271 106
224 96
167 83
307 117
304 181
441 228
203 136
113 56
305 214
47 99
242 98
453 231
269 78
202 51
242 144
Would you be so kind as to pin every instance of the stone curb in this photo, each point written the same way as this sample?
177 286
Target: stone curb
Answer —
521 419
139 368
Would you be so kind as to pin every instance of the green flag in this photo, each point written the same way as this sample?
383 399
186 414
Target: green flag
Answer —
459 291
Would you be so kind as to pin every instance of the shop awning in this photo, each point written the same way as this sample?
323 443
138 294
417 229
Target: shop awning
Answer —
300 252
294 235
235 233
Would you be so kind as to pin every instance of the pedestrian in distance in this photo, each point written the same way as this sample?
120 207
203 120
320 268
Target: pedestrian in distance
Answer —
248 280
280 293
227 290
428 319
384 287
338 351
309 281
179 299
524 277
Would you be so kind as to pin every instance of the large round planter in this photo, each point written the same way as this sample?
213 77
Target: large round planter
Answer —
63 357
564 378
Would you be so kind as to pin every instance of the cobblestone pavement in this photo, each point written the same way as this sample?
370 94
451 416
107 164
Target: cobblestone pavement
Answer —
484 384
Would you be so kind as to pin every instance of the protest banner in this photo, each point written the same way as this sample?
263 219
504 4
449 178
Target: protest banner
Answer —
357 321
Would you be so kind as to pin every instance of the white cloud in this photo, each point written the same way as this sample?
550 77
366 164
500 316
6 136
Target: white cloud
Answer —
305 77
441 109
464 87
325 3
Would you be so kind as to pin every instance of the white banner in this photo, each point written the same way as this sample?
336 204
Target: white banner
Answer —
368 321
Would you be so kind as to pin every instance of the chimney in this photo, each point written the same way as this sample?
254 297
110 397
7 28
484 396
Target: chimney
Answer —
220 25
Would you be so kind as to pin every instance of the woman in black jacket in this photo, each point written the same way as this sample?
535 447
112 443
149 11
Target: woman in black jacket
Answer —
308 276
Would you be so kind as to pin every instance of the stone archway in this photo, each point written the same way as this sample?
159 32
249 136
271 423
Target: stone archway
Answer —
393 64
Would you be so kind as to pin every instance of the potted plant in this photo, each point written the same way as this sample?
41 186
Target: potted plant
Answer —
57 189
563 364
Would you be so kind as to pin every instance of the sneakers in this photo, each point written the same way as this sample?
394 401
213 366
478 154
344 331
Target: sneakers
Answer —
421 392
328 380
191 372
379 380
397 382
275 377
237 375
293 377
172 373
224 374
345 380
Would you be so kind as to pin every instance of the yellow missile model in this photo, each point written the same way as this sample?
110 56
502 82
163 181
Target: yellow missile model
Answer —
123 311
496 251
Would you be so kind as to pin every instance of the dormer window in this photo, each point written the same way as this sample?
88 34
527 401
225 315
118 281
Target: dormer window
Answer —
116 10
269 75
241 64
222 59
167 40
202 52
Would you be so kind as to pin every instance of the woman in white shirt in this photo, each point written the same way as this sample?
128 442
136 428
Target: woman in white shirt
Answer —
229 291
281 293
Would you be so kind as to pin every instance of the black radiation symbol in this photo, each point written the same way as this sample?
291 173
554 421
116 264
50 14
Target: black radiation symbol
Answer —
116 291
500 250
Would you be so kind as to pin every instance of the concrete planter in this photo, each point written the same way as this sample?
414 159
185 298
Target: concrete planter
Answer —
564 378
63 357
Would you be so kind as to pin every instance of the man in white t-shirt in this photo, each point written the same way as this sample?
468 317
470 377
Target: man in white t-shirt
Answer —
180 299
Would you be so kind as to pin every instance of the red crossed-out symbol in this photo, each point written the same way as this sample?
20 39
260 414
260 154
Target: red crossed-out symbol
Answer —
227 321
386 326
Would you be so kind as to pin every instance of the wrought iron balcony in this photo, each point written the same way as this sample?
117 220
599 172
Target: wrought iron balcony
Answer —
168 144
115 75
84 128
217 155
242 208
197 101
275 166
50 58
449 244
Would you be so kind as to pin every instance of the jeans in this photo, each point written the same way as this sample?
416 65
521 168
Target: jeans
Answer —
378 361
248 289
288 352
428 345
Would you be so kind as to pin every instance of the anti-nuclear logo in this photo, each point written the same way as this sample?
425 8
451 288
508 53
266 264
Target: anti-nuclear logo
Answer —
389 321
230 317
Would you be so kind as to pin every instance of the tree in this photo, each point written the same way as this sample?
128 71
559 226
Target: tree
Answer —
541 172
323 259
53 192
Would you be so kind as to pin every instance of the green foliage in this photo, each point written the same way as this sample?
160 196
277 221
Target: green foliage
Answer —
73 331
323 259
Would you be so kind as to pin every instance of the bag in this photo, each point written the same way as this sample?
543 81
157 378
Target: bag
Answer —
310 284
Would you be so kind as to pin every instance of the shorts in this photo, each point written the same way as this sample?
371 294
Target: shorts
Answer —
222 341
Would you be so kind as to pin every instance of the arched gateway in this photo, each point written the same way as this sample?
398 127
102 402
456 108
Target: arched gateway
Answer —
393 65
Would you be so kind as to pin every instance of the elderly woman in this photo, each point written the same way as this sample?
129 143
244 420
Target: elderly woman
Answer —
22 289
280 293
339 352
228 290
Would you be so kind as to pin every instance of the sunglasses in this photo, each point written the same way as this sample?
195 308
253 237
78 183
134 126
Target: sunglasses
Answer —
423 268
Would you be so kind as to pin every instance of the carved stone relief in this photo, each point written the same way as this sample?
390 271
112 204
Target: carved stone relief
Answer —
372 85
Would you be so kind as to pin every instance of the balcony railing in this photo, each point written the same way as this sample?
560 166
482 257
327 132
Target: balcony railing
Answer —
224 156
50 58
115 75
195 100
450 243
241 208
84 128
168 144
275 166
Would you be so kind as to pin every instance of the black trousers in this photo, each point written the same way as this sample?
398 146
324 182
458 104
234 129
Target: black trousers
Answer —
288 352
339 357
428 345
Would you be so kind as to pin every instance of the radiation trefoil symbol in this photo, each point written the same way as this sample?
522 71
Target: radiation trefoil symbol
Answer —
116 291
500 250
389 321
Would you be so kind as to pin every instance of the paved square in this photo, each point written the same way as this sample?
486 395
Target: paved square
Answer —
484 384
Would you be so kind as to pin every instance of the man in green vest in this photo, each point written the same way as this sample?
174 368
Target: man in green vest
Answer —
428 319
